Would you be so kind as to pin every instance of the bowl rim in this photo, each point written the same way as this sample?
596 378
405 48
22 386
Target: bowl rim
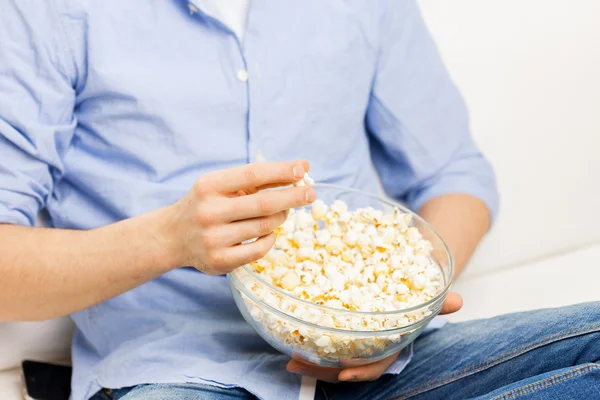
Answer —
442 294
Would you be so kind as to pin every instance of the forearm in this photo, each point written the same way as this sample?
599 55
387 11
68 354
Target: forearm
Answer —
462 220
45 273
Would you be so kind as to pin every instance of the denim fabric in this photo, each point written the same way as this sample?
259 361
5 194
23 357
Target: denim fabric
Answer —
546 354
183 391
516 354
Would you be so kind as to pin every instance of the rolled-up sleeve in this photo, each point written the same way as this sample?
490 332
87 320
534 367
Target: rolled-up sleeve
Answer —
36 107
417 119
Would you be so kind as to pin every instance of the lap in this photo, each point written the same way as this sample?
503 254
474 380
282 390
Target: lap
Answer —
577 382
477 358
473 358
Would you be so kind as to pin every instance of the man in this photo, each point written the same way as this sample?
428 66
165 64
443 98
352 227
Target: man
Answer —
137 126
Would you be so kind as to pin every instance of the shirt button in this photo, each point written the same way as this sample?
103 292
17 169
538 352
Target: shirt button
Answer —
193 9
242 75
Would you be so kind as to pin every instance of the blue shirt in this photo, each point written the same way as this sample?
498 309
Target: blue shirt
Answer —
112 109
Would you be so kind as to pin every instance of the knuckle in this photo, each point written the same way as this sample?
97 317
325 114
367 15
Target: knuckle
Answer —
250 174
205 217
264 205
210 240
215 260
264 226
199 188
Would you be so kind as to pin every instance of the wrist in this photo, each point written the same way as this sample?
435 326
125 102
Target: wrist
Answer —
166 246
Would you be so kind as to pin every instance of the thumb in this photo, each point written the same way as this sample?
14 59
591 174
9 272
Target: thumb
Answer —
453 303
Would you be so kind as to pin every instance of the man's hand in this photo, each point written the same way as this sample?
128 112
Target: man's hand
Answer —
205 229
369 372
46 273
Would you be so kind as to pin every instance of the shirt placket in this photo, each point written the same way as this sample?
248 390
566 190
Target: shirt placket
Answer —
252 52
241 74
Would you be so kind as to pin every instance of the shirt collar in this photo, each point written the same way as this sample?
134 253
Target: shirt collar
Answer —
206 7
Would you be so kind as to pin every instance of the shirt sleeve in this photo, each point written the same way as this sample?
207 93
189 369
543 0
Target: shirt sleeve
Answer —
417 120
36 107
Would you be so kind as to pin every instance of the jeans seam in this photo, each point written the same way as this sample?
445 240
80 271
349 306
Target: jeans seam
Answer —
552 380
474 368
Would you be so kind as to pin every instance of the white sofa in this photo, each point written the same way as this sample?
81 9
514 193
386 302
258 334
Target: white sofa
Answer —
528 69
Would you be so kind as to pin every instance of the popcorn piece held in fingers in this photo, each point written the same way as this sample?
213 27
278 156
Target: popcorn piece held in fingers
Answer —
305 181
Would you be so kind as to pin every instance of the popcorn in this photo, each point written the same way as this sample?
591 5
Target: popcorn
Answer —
319 209
358 260
382 269
303 220
339 207
305 181
322 237
419 281
364 241
303 239
397 275
290 280
307 278
323 341
351 238
334 246
305 253
335 229
345 217
334 303
278 272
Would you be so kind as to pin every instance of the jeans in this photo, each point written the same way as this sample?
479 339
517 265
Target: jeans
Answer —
546 354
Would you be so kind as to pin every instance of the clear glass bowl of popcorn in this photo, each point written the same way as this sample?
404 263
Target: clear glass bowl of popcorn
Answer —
351 280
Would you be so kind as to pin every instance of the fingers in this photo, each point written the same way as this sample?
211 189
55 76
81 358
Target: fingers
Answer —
241 231
246 192
241 254
452 304
369 372
255 175
269 202
322 373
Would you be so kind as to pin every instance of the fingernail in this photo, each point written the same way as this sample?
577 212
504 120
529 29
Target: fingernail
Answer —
311 195
298 171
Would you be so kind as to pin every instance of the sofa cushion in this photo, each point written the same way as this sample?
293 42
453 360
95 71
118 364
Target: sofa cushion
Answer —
553 282
11 387
529 73
42 341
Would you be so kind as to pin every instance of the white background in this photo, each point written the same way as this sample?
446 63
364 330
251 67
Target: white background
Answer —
530 72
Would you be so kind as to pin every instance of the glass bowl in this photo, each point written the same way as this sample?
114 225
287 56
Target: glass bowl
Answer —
319 334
